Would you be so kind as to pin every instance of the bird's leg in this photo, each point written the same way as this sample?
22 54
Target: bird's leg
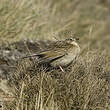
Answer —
61 69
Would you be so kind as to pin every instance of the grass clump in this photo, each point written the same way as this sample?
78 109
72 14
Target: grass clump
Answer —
83 86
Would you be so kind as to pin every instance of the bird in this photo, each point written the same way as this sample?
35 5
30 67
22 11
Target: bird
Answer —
60 54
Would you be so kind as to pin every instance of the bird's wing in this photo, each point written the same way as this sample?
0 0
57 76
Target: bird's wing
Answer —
58 50
49 55
54 53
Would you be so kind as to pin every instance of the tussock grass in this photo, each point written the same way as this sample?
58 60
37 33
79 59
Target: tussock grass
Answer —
47 19
85 84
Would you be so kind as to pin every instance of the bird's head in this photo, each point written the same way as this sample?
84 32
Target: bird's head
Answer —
72 41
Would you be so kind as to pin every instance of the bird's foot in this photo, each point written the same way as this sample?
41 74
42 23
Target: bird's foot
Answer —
61 69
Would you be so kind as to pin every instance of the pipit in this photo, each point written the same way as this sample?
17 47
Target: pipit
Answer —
60 54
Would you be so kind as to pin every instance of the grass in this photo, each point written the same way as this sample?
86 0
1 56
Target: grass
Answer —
85 84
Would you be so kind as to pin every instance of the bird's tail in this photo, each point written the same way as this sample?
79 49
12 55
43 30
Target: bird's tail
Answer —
35 55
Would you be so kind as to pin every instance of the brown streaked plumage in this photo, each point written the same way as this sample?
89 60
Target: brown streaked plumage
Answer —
61 53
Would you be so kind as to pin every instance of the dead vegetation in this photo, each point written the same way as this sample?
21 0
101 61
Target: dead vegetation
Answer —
85 85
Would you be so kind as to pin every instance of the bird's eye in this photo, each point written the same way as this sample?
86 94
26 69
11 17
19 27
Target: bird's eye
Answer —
71 39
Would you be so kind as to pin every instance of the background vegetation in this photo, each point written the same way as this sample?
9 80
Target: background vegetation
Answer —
86 84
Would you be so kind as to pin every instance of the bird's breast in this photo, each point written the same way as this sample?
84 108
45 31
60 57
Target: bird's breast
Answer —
67 59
